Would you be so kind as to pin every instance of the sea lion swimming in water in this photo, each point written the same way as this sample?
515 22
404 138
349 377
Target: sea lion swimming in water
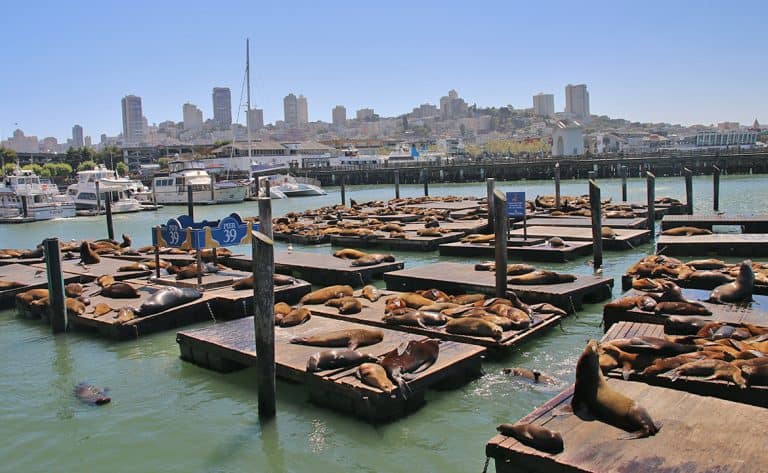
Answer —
350 338
592 395
375 375
90 394
739 290
332 359
534 436
532 375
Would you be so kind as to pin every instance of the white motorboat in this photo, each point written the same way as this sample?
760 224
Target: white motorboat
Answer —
119 189
25 196
172 188
297 187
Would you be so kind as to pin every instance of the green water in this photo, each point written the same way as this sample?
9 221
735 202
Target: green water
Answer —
169 415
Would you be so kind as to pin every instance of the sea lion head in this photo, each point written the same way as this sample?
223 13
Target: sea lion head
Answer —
746 275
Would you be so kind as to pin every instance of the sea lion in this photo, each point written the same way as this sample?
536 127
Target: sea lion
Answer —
281 308
706 264
167 297
409 358
127 242
478 238
541 277
73 289
428 232
346 305
87 255
5 285
244 283
375 375
371 293
715 369
90 394
709 278
686 231
684 325
101 309
124 315
546 308
74 306
757 375
332 359
416 318
681 308
27 297
532 375
608 233
519 268
474 326
485 266
435 295
282 280
646 284
120 290
462 299
555 242
415 301
350 338
105 280
372 259
652 345
438 306
662 365
534 436
592 395
136 266
349 253
293 318
322 295
739 290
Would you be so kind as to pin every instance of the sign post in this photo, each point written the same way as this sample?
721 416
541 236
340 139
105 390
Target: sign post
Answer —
516 209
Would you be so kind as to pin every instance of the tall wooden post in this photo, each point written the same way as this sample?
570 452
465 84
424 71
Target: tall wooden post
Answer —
157 253
557 186
591 175
397 183
190 203
597 224
490 183
98 198
623 174
25 206
267 191
426 184
501 231
213 190
263 268
108 209
265 217
650 183
688 190
57 306
716 188
343 191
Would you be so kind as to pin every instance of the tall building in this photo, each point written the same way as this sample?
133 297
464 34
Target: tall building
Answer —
544 104
193 117
364 114
291 110
577 101
451 106
256 119
222 107
339 115
77 136
133 119
301 110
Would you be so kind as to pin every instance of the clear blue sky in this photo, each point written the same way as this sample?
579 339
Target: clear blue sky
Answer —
674 61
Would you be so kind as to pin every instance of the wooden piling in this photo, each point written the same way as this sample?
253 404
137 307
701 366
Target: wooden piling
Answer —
501 231
157 254
265 217
343 191
267 191
57 306
108 211
190 203
591 175
426 184
490 183
263 255
597 234
650 181
716 188
557 186
25 206
397 183
688 190
623 174
213 190
98 198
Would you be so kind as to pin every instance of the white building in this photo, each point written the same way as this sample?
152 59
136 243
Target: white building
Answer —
567 139
193 117
544 104
726 138
577 101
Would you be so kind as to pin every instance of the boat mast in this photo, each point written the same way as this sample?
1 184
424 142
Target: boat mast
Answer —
248 93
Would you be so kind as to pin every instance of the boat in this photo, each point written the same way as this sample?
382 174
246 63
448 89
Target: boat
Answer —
24 196
83 192
172 187
296 187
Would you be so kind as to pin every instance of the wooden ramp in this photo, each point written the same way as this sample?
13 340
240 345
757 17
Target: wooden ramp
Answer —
694 437
373 312
31 277
748 223
535 252
321 269
625 238
462 278
729 313
723 244
230 345
89 272
413 242
582 222
754 395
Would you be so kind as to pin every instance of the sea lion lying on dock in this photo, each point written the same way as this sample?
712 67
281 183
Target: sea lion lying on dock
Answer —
375 375
349 253
418 318
373 259
474 326
166 298
371 293
135 266
320 296
5 285
350 338
608 233
73 289
541 277
714 369
277 280
346 304
478 238
332 359
293 317
120 290
408 359
534 436
686 231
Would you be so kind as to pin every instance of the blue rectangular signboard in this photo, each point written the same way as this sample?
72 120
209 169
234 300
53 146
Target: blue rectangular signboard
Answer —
516 204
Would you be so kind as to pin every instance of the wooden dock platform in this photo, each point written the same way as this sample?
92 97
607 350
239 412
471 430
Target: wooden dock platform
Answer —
625 238
626 284
692 439
584 222
454 205
230 346
412 243
722 244
390 217
729 313
223 278
238 303
462 278
536 252
373 312
7 261
30 276
321 269
748 223
90 272
754 395
479 225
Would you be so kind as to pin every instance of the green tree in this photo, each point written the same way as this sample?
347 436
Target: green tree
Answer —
86 166
37 169
8 156
58 169
121 168
163 162
9 168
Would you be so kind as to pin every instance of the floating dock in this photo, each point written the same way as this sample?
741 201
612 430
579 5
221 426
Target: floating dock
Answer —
89 272
584 222
7 261
703 284
30 276
230 346
748 223
479 225
692 439
462 278
321 269
754 395
625 238
723 244
413 242
538 251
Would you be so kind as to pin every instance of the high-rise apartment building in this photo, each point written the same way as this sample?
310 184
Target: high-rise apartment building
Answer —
222 107
256 119
364 114
544 104
451 106
77 136
290 110
301 110
133 119
193 117
339 115
577 101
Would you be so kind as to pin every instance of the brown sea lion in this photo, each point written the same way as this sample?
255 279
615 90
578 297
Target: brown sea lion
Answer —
534 436
462 299
346 304
519 268
714 369
90 394
127 242
684 325
120 290
438 306
662 365
411 317
706 264
375 375
478 238
414 300
652 345
124 315
105 280
485 266
136 266
351 338
435 295
332 359
686 231
532 375
371 293
681 308
608 233
73 289
282 280
592 395
101 309
326 293
87 255
293 318
757 375
739 290
281 308
74 306
555 242
474 326
409 358
646 284
372 259
27 297
709 278
5 285
244 283
546 308
541 277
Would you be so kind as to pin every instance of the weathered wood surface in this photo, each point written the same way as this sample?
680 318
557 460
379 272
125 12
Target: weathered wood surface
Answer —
92 271
392 217
239 303
479 225
626 284
229 346
30 276
693 438
724 244
754 395
7 261
729 313
460 278
322 269
456 205
534 252
585 222
373 313
749 223
412 242
223 278
625 238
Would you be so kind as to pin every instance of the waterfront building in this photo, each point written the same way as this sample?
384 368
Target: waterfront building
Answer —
339 115
567 139
544 104
364 114
577 101
256 119
222 107
133 119
302 113
291 111
193 117
77 136
726 138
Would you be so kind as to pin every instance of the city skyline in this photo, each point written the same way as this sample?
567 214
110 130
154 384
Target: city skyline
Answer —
638 64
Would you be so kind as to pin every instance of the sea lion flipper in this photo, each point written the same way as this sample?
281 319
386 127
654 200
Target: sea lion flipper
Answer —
635 435
626 372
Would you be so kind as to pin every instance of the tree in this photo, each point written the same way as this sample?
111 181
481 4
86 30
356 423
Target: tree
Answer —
9 168
8 156
163 162
121 168
58 169
86 166
37 169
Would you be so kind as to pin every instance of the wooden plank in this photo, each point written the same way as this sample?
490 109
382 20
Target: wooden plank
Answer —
724 244
239 303
461 278
749 223
688 429
585 222
625 238
535 252
453 205
30 276
478 225
412 242
7 261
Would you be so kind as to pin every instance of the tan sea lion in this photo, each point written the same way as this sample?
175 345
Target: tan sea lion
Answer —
739 290
474 326
5 285
681 308
73 289
534 436
282 280
409 358
462 299
87 255
478 238
435 295
346 304
349 253
414 300
541 277
105 280
124 315
686 231
662 365
293 318
519 268
322 295
592 395
27 297
74 306
136 266
332 359
412 317
438 306
281 308
546 308
555 242
375 375
372 259
646 284
101 309
714 369
608 233
532 375
351 338
120 290
371 293
706 264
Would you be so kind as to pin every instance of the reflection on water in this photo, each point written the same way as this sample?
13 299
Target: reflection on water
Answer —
168 415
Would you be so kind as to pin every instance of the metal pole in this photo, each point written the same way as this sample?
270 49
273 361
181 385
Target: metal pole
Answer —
213 190
157 253
397 183
490 183
623 173
98 198
501 230
597 234
688 190
557 186
58 307
716 189
108 208
190 203
426 184
343 191
650 181
265 217
262 264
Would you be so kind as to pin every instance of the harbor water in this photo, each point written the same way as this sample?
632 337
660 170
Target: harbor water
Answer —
172 416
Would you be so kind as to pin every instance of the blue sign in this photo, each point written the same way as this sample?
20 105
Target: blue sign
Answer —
186 234
516 204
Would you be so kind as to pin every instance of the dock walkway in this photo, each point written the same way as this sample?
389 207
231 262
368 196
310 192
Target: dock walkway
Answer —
748 223
31 277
